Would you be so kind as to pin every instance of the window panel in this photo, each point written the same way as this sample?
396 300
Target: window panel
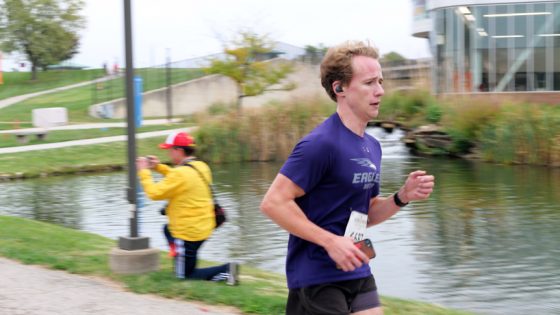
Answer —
480 52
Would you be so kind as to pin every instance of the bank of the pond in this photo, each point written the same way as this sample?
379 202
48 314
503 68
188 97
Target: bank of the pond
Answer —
505 132
33 242
62 171
72 160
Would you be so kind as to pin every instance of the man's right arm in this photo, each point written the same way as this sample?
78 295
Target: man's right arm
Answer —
279 204
156 165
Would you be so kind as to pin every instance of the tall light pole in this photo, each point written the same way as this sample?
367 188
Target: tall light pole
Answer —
132 242
133 254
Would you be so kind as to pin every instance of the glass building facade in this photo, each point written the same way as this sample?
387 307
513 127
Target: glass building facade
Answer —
496 48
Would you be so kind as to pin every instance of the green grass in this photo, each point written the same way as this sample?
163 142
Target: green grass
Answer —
9 140
19 83
71 159
153 78
7 125
78 100
33 242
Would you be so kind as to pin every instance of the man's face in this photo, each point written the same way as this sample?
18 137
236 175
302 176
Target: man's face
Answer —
176 155
363 93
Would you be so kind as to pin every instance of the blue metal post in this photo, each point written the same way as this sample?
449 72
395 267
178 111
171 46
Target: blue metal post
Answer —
138 101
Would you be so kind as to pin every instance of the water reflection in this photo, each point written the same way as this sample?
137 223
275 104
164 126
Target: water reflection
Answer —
252 238
488 237
487 240
44 200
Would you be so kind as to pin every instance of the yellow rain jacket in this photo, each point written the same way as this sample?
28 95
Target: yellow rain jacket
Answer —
190 209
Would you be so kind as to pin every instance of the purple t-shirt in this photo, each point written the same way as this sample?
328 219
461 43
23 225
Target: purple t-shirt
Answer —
339 172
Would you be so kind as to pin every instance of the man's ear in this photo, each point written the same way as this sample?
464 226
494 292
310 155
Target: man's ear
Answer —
337 87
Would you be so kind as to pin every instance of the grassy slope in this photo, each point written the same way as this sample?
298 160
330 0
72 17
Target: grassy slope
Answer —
78 100
19 83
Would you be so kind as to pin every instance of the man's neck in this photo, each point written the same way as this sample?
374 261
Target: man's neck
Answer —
187 160
351 121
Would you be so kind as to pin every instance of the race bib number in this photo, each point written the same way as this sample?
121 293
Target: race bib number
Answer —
356 227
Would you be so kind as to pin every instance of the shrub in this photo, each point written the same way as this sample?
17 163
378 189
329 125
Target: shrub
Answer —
434 113
465 122
410 107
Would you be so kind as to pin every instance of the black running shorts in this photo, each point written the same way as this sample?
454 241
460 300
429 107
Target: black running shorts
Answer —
338 298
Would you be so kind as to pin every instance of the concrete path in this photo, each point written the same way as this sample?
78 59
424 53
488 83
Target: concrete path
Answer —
148 122
56 145
34 290
16 99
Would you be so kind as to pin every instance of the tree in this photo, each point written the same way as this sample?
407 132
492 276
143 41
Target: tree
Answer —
392 57
247 64
46 31
315 54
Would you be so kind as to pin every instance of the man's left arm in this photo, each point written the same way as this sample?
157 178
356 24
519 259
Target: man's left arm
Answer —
418 186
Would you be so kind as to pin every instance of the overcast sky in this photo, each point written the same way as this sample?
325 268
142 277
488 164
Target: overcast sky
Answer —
192 28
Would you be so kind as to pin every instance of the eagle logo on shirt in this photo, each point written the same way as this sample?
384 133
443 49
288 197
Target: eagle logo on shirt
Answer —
365 162
367 179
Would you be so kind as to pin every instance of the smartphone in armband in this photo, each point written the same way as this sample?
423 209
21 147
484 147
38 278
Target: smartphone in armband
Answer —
366 247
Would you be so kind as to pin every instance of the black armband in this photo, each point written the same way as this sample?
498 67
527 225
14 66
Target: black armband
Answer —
398 200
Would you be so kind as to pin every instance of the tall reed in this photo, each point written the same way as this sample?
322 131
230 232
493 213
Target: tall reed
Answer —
524 134
268 133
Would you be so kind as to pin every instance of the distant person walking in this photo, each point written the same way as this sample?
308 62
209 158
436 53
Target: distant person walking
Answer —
190 209
327 193
106 69
115 68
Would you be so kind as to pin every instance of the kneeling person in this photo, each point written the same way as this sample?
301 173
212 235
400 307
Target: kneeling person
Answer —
190 206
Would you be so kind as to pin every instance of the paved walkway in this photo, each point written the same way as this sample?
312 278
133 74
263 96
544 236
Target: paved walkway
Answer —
147 122
16 99
56 145
34 290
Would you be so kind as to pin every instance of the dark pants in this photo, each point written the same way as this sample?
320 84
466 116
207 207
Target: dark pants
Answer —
185 263
168 236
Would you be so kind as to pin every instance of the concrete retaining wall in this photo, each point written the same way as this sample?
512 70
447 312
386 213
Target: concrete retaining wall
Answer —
199 94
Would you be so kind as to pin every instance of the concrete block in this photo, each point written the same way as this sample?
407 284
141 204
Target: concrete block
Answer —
134 261
49 117
134 243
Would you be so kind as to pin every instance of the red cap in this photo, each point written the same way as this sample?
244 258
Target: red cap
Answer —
178 139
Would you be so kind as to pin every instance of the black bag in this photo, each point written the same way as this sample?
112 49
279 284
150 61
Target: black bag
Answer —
218 210
220 214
